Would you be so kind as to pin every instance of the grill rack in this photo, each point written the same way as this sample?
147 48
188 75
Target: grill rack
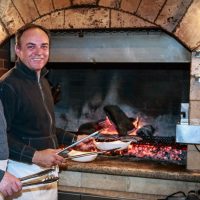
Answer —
155 140
158 140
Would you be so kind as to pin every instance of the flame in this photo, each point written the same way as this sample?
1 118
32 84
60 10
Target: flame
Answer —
137 124
108 127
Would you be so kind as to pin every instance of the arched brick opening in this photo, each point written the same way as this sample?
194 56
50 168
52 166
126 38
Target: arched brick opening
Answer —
179 18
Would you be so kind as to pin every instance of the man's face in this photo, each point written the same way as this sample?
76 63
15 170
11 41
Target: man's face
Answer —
33 50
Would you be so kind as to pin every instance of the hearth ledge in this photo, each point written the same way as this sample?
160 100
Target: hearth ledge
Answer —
144 169
140 177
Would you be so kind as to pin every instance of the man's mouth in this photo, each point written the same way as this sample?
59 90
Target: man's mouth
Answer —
37 59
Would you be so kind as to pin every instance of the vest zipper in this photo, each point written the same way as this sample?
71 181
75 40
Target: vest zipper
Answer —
51 121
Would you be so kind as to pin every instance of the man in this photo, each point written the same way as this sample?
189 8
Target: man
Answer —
8 183
29 110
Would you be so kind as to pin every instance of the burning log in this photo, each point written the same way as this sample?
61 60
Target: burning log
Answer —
119 119
89 127
146 131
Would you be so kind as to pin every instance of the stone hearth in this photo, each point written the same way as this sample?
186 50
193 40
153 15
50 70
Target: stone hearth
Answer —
110 177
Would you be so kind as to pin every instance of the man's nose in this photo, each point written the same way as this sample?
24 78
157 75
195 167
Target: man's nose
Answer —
38 50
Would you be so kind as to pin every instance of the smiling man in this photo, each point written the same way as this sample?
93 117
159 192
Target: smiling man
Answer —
33 49
29 111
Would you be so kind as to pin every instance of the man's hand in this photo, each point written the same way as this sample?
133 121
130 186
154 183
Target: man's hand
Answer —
47 158
10 184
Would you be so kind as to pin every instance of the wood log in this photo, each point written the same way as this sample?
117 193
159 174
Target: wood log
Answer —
119 119
146 131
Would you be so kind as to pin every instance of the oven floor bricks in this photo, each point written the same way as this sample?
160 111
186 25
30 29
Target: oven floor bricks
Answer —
193 155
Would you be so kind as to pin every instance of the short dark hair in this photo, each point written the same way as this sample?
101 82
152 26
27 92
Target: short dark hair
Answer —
20 32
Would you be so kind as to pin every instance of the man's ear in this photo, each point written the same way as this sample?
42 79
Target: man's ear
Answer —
17 49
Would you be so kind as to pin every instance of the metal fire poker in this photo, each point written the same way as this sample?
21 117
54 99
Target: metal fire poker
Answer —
186 133
79 141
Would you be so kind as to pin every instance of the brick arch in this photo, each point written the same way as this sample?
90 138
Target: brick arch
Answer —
62 14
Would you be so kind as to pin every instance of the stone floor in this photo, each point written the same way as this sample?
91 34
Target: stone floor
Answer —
110 194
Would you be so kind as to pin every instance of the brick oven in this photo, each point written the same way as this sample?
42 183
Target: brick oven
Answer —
179 20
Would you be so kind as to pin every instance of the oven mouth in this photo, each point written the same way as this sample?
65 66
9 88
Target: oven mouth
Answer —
101 68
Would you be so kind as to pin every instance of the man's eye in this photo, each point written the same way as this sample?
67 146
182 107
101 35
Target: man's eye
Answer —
45 47
30 47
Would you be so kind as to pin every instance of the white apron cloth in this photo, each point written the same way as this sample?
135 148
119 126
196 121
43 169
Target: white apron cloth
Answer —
37 192
3 166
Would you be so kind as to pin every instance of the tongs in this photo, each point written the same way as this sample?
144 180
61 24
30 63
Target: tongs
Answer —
39 179
77 142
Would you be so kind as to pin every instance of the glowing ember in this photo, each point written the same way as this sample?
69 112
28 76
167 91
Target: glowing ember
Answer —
159 152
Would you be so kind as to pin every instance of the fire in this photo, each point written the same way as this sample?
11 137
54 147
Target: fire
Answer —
141 148
109 128
137 124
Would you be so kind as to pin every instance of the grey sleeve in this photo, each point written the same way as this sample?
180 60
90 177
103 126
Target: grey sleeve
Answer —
1 174
4 153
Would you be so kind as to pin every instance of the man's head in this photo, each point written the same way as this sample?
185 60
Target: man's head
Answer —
32 46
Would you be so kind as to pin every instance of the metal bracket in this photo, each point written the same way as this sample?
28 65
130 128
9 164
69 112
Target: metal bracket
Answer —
187 134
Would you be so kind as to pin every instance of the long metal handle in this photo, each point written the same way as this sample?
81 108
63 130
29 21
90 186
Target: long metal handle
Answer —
79 141
37 182
41 173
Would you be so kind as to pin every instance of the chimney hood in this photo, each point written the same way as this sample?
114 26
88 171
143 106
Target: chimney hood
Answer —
116 46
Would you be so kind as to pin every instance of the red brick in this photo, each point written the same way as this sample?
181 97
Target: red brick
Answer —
27 10
3 71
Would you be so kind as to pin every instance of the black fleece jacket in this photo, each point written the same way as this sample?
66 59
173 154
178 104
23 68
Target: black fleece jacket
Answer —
29 112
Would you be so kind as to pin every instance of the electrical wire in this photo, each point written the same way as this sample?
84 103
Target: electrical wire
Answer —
173 195
197 148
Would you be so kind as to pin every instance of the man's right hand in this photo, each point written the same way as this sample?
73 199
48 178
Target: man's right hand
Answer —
10 184
47 158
